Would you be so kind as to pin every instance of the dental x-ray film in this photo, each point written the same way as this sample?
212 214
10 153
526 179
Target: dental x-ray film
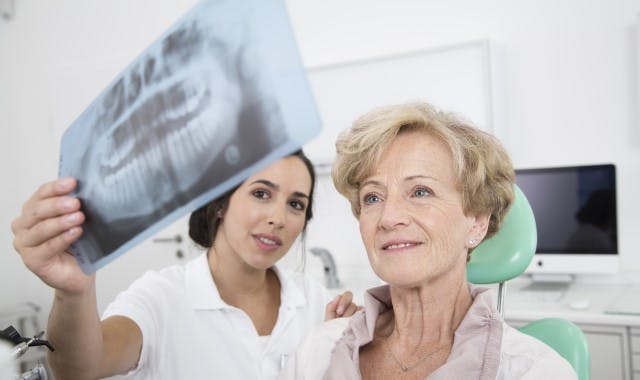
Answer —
218 96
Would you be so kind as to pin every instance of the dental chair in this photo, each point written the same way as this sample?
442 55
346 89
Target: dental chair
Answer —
506 255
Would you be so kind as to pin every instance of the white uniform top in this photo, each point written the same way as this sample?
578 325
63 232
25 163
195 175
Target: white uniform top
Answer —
189 332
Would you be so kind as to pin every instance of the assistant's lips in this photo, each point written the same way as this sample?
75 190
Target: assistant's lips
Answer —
267 241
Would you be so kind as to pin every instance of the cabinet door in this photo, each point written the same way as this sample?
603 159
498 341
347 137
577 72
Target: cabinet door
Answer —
609 352
635 352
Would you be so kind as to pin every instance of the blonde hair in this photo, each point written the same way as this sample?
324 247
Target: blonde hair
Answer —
483 169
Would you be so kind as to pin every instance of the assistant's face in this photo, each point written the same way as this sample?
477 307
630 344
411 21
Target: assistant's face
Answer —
412 221
266 214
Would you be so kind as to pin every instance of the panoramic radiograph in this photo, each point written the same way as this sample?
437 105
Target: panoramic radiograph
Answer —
192 111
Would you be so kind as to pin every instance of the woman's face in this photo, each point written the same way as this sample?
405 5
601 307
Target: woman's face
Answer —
266 214
412 221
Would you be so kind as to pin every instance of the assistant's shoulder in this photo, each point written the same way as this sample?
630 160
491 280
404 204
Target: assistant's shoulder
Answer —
165 278
176 276
154 287
525 357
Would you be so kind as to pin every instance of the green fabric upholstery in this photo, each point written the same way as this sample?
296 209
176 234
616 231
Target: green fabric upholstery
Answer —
565 338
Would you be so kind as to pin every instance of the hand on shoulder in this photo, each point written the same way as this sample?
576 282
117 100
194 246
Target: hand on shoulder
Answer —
341 306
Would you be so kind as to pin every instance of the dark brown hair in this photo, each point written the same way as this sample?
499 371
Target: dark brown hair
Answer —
204 222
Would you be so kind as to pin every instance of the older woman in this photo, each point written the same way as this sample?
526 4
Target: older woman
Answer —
427 189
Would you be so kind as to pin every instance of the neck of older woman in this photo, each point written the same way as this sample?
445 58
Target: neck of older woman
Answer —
427 316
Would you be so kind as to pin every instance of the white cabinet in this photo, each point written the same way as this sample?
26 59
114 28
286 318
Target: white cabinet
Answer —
635 352
608 349
613 338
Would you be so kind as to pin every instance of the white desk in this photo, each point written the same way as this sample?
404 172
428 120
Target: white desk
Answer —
614 339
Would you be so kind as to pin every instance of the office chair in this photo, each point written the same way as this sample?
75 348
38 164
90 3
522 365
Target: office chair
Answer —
506 255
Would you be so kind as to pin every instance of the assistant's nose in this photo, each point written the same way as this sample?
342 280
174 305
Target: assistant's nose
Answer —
277 217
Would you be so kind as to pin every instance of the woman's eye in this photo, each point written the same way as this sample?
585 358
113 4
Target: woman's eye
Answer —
262 194
421 192
370 198
298 205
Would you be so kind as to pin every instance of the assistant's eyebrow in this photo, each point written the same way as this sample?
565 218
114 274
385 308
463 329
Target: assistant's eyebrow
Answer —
267 184
300 194
276 187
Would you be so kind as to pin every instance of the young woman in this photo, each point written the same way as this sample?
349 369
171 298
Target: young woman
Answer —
229 313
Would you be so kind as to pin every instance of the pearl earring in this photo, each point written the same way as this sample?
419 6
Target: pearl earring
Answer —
472 242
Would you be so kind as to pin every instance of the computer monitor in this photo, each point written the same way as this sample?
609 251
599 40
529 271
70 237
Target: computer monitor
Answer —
576 218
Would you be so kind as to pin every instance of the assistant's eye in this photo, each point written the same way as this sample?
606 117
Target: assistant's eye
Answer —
420 192
261 194
298 205
370 199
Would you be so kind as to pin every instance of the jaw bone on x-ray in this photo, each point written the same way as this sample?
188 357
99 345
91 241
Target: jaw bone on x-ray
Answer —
182 124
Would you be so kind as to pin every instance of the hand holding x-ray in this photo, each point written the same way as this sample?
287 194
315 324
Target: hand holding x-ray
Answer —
221 94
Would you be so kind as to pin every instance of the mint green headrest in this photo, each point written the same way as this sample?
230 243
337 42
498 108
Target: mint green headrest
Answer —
508 253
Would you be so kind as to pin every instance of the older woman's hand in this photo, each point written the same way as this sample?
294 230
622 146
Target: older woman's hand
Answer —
49 223
341 306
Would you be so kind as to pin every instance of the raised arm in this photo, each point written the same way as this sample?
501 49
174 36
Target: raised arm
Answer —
85 348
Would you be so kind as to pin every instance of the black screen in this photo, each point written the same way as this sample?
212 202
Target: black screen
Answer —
574 207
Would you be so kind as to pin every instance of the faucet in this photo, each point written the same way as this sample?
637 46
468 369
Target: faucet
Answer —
330 271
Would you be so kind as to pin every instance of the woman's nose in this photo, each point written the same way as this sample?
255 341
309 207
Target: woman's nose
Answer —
393 214
276 217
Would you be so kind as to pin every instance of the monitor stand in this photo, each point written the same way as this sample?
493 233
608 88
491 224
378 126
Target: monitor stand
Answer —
546 287
552 278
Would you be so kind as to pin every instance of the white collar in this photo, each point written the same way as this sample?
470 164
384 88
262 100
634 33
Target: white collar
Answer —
203 293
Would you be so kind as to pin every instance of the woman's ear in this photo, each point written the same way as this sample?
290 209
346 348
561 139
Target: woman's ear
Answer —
478 230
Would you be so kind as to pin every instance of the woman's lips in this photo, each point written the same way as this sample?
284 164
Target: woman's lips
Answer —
398 246
267 242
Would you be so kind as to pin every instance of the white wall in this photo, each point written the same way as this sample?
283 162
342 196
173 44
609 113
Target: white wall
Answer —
569 81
